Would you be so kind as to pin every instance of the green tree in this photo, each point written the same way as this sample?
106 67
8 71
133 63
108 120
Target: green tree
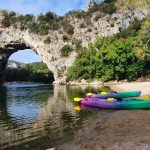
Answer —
109 58
34 72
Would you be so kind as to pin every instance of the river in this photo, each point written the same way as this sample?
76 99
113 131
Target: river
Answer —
38 116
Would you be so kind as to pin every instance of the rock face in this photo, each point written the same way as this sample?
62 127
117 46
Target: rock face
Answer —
14 39
14 64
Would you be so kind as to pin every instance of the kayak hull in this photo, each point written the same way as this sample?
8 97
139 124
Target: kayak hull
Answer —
118 95
123 104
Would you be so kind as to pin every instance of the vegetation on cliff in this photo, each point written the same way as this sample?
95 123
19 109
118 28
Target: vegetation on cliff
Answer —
50 21
123 56
34 72
126 55
40 25
65 51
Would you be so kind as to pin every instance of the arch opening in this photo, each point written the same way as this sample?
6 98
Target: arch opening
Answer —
29 69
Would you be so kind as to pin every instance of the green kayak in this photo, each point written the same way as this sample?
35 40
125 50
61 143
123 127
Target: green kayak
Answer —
118 95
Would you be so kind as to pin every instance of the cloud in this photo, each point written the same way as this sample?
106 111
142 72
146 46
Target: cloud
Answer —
41 6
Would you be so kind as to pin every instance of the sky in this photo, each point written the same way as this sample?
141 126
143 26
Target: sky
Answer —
25 56
36 7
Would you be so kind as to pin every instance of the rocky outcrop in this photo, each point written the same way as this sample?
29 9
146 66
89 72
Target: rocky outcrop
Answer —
14 64
14 39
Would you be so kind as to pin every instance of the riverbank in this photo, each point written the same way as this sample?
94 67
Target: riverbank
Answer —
123 129
144 87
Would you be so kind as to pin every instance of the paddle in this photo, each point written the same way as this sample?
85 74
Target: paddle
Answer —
77 99
90 94
144 97
77 108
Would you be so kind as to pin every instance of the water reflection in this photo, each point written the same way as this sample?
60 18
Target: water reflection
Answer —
39 117
3 97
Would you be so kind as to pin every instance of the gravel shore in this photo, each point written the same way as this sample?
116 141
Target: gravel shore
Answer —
121 130
144 87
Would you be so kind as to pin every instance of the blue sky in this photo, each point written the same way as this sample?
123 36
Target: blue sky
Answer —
37 7
25 56
41 6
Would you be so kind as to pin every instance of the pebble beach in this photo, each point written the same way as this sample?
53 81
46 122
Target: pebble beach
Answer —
120 130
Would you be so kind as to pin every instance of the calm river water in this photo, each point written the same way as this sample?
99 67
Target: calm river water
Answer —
36 116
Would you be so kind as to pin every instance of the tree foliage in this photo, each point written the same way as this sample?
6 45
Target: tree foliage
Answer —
109 58
34 72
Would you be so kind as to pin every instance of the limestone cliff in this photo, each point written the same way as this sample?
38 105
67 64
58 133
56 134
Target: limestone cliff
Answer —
13 39
14 64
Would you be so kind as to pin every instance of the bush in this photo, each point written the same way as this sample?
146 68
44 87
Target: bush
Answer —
49 21
108 1
68 28
12 14
47 40
131 31
82 25
112 24
79 14
65 38
65 51
5 22
107 7
33 27
43 29
47 17
53 25
98 16
28 18
89 30
13 20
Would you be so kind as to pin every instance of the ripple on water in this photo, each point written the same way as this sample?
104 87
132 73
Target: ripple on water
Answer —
38 116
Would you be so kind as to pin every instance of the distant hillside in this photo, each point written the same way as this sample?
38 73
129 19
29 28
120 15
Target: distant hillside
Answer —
14 64
33 72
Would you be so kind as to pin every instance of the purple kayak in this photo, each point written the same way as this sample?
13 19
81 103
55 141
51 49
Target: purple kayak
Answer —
123 104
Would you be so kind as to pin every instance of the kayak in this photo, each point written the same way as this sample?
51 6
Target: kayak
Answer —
123 104
118 95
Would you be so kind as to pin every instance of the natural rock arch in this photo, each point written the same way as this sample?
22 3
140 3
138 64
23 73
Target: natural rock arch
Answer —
12 40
